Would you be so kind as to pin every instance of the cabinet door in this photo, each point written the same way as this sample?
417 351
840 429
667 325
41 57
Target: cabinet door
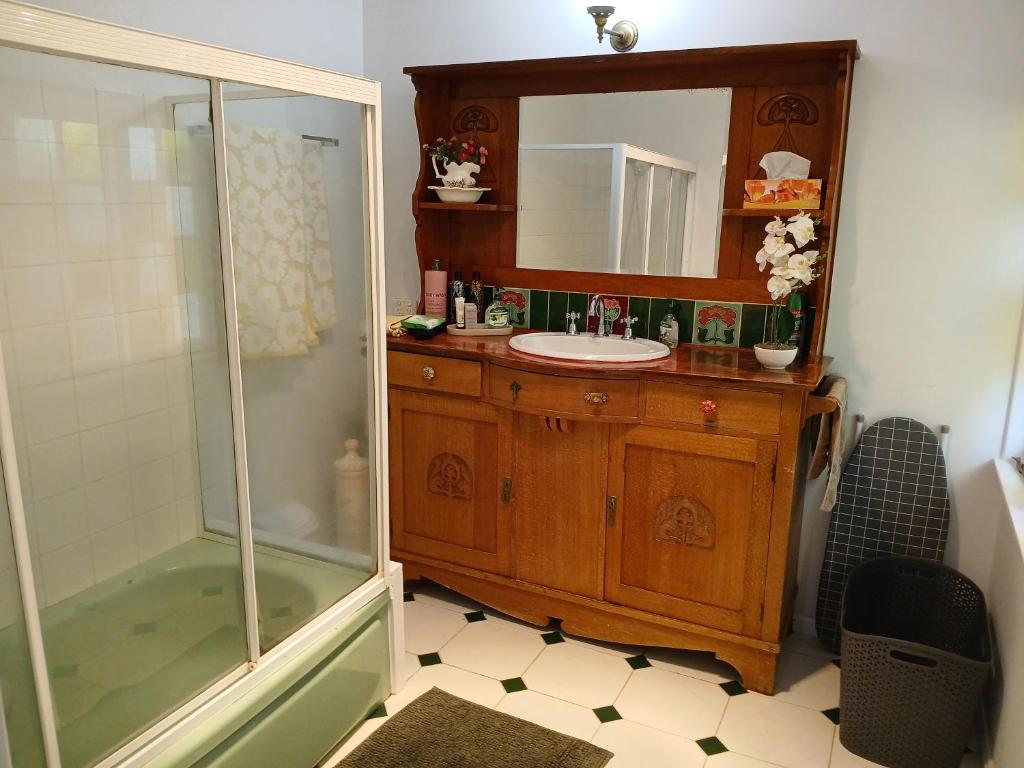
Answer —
449 457
558 502
690 534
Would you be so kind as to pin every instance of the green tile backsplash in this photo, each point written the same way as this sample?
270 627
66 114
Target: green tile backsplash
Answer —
546 310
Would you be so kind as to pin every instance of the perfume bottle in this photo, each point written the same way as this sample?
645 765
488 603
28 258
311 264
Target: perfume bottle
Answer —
456 289
669 328
476 296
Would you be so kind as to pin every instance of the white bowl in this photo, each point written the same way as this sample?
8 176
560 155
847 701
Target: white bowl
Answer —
775 359
460 194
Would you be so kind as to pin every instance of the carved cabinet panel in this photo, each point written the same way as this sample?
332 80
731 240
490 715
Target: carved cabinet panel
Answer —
689 537
447 468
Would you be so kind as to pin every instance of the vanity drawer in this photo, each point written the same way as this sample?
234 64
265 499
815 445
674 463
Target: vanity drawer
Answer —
613 399
742 410
429 373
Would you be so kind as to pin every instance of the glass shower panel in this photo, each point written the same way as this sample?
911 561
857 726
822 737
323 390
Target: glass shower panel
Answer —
17 687
661 209
103 204
635 208
297 188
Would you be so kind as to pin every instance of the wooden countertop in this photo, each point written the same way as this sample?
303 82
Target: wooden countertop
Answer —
688 361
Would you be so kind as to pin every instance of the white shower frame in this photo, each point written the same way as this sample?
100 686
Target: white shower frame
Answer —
620 154
31 28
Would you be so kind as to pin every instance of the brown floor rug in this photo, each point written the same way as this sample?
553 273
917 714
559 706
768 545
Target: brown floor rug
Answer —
439 730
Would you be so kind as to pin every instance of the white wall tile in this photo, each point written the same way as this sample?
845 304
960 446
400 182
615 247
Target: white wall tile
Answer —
94 345
186 474
105 450
60 520
128 174
56 466
48 411
82 232
142 336
42 354
153 485
28 235
130 230
157 531
77 172
149 437
188 519
25 172
122 117
72 109
87 289
66 571
22 117
114 550
34 296
179 384
99 398
145 388
109 501
135 284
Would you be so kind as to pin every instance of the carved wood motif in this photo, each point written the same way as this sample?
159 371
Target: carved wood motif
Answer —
685 520
785 109
449 475
474 119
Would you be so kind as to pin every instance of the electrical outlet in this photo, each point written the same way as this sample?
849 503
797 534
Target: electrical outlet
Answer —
403 306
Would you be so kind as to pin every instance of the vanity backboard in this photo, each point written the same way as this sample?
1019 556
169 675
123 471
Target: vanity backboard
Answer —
793 96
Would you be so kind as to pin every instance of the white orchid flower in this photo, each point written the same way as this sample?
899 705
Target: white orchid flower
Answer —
812 256
799 261
775 228
761 257
801 227
779 287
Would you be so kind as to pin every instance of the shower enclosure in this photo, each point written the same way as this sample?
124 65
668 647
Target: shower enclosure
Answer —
191 388
605 208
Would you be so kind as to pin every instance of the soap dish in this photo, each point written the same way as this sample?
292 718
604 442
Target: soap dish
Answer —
422 334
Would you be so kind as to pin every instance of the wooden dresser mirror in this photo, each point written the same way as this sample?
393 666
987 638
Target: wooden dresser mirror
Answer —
793 97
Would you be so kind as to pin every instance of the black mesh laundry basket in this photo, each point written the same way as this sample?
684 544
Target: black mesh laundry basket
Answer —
915 657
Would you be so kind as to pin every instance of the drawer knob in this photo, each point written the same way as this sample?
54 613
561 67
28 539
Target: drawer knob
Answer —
428 373
709 408
595 397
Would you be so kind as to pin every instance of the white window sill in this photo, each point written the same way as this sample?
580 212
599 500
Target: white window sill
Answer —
1012 484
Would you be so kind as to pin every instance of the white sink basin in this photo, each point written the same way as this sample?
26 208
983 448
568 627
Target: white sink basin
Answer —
586 346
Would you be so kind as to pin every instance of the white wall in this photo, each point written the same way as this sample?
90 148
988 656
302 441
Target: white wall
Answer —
321 33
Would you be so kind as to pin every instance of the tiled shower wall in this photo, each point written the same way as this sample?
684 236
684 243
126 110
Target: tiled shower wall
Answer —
92 330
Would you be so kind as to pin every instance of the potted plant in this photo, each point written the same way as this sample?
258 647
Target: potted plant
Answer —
460 160
791 270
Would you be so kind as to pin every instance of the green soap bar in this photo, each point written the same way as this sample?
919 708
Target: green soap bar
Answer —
425 322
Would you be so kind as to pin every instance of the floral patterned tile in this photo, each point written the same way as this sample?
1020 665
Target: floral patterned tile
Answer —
716 324
616 308
518 302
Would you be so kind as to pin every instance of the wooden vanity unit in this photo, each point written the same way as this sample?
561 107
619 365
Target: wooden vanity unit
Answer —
655 504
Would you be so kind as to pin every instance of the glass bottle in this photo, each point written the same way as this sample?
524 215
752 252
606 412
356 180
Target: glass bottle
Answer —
668 331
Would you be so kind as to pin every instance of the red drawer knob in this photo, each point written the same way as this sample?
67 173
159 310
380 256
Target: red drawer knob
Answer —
709 408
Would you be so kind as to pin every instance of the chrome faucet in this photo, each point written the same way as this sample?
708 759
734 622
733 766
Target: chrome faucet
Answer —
597 309
570 323
627 333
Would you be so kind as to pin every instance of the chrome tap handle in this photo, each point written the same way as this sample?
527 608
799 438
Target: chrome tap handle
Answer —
570 323
596 309
627 333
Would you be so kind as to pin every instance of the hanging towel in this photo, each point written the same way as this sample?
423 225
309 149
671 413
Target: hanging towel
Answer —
830 443
284 284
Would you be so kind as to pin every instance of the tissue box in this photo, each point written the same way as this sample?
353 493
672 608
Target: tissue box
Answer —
782 193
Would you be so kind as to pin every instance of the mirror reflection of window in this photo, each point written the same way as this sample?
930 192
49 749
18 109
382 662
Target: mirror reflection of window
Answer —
623 182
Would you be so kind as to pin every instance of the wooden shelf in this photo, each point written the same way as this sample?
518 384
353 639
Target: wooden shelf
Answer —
492 207
766 213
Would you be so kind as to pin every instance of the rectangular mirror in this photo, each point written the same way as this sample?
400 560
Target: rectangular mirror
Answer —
627 183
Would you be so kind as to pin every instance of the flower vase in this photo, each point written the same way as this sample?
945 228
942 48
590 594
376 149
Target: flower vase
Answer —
456 175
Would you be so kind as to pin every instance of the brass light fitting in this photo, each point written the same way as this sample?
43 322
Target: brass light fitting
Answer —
622 37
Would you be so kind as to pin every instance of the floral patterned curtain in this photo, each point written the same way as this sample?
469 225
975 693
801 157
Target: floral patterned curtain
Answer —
284 282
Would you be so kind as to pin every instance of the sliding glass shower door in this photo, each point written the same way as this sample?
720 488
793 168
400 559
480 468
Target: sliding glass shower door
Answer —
187 328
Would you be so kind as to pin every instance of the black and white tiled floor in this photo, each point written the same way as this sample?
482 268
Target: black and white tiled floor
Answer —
650 707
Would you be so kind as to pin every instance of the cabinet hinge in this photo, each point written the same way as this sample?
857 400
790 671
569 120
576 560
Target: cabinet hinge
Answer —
612 506
506 489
